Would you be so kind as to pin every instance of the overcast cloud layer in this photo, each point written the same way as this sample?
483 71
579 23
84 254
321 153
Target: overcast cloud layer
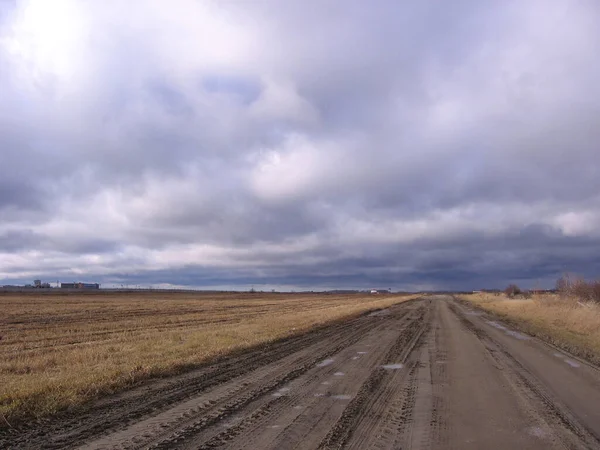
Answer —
300 144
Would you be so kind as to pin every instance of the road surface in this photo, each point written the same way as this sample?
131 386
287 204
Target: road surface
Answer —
428 373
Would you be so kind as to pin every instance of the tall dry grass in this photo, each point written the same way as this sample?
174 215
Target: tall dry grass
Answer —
564 321
58 351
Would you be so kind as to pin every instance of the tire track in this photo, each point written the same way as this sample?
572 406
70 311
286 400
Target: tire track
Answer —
173 426
364 414
265 409
440 383
404 412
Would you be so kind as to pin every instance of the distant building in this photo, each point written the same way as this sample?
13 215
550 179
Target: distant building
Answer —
79 286
39 285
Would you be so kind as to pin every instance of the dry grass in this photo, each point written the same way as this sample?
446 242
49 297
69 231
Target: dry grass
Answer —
58 351
563 321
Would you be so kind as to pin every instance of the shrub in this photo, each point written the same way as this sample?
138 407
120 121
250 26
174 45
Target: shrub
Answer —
564 285
579 288
587 291
512 290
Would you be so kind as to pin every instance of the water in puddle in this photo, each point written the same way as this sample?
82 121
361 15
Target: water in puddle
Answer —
354 358
568 361
325 362
496 325
342 397
508 332
281 392
362 353
393 366
537 432
326 383
382 312
339 374
517 335
231 422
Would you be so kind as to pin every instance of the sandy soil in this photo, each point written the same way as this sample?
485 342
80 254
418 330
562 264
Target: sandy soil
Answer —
428 373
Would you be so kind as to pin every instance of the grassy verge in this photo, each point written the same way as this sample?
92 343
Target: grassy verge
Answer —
565 323
59 351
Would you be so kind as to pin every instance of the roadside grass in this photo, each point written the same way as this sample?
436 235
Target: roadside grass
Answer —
562 321
60 351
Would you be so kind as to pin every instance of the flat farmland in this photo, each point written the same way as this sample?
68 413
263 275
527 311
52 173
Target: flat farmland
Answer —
58 350
431 372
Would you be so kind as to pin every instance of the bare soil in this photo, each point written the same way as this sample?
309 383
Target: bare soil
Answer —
426 373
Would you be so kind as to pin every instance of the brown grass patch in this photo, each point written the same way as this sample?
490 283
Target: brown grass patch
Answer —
58 351
562 321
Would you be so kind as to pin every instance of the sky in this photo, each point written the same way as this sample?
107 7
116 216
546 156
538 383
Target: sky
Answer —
300 144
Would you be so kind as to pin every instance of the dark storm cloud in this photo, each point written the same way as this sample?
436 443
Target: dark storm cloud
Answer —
19 195
534 259
308 144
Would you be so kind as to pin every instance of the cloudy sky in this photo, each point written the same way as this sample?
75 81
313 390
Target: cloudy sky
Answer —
300 144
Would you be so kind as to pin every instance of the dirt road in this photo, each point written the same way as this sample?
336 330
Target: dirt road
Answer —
429 373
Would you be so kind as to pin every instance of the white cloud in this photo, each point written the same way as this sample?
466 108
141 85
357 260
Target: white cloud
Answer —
297 169
578 223
280 101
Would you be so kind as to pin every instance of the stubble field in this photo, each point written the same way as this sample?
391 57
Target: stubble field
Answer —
60 350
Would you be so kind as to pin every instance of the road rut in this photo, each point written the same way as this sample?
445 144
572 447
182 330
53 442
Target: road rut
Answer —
427 373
